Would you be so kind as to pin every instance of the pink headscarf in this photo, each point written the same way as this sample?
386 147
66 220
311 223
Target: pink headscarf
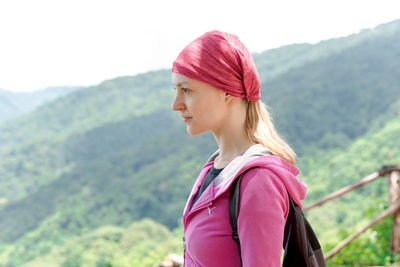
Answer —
222 60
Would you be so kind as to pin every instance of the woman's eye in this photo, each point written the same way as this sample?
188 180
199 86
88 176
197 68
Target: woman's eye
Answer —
185 90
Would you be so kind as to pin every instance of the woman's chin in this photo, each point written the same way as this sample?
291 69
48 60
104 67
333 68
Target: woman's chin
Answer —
193 131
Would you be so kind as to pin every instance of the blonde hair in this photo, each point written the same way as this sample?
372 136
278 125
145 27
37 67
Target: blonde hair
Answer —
260 130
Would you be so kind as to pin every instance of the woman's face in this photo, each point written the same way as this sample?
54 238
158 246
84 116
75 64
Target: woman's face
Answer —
202 106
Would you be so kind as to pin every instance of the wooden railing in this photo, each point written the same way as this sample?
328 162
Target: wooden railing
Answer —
392 172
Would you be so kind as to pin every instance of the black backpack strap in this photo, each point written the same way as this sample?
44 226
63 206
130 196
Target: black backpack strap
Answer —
234 210
234 204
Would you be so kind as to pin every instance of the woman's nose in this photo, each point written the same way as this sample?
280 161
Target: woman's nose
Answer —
178 104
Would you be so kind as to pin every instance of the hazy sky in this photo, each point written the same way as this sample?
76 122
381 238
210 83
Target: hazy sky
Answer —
83 42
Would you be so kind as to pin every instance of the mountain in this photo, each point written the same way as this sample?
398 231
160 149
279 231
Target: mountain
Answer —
14 104
145 243
337 93
7 108
279 60
115 153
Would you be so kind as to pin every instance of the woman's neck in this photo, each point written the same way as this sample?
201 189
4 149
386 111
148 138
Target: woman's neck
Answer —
231 144
231 135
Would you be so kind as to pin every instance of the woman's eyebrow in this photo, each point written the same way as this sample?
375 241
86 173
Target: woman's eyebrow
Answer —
180 84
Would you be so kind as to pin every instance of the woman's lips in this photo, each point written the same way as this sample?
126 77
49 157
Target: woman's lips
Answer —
186 119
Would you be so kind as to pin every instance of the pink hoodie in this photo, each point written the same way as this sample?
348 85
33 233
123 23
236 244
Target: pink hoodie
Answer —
264 207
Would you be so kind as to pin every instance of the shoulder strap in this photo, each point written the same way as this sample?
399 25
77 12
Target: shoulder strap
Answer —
234 210
300 242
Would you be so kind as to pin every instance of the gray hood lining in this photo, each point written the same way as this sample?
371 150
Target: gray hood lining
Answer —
253 152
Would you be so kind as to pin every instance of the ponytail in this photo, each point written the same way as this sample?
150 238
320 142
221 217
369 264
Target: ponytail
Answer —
260 130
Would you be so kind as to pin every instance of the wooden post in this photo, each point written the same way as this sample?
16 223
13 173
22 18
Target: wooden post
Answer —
393 179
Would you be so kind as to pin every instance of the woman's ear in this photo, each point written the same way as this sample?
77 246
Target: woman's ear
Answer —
228 97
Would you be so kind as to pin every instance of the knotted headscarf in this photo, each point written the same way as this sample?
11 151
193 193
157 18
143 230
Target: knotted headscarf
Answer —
222 60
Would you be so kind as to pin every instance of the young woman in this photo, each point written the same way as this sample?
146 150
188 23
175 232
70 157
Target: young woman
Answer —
218 90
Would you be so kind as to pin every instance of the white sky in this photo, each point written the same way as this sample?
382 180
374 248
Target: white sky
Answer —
83 42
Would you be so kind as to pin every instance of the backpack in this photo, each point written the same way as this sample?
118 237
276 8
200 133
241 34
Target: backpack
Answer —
300 242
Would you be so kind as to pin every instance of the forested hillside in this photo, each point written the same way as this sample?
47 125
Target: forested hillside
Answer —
341 217
336 97
115 153
14 104
146 242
